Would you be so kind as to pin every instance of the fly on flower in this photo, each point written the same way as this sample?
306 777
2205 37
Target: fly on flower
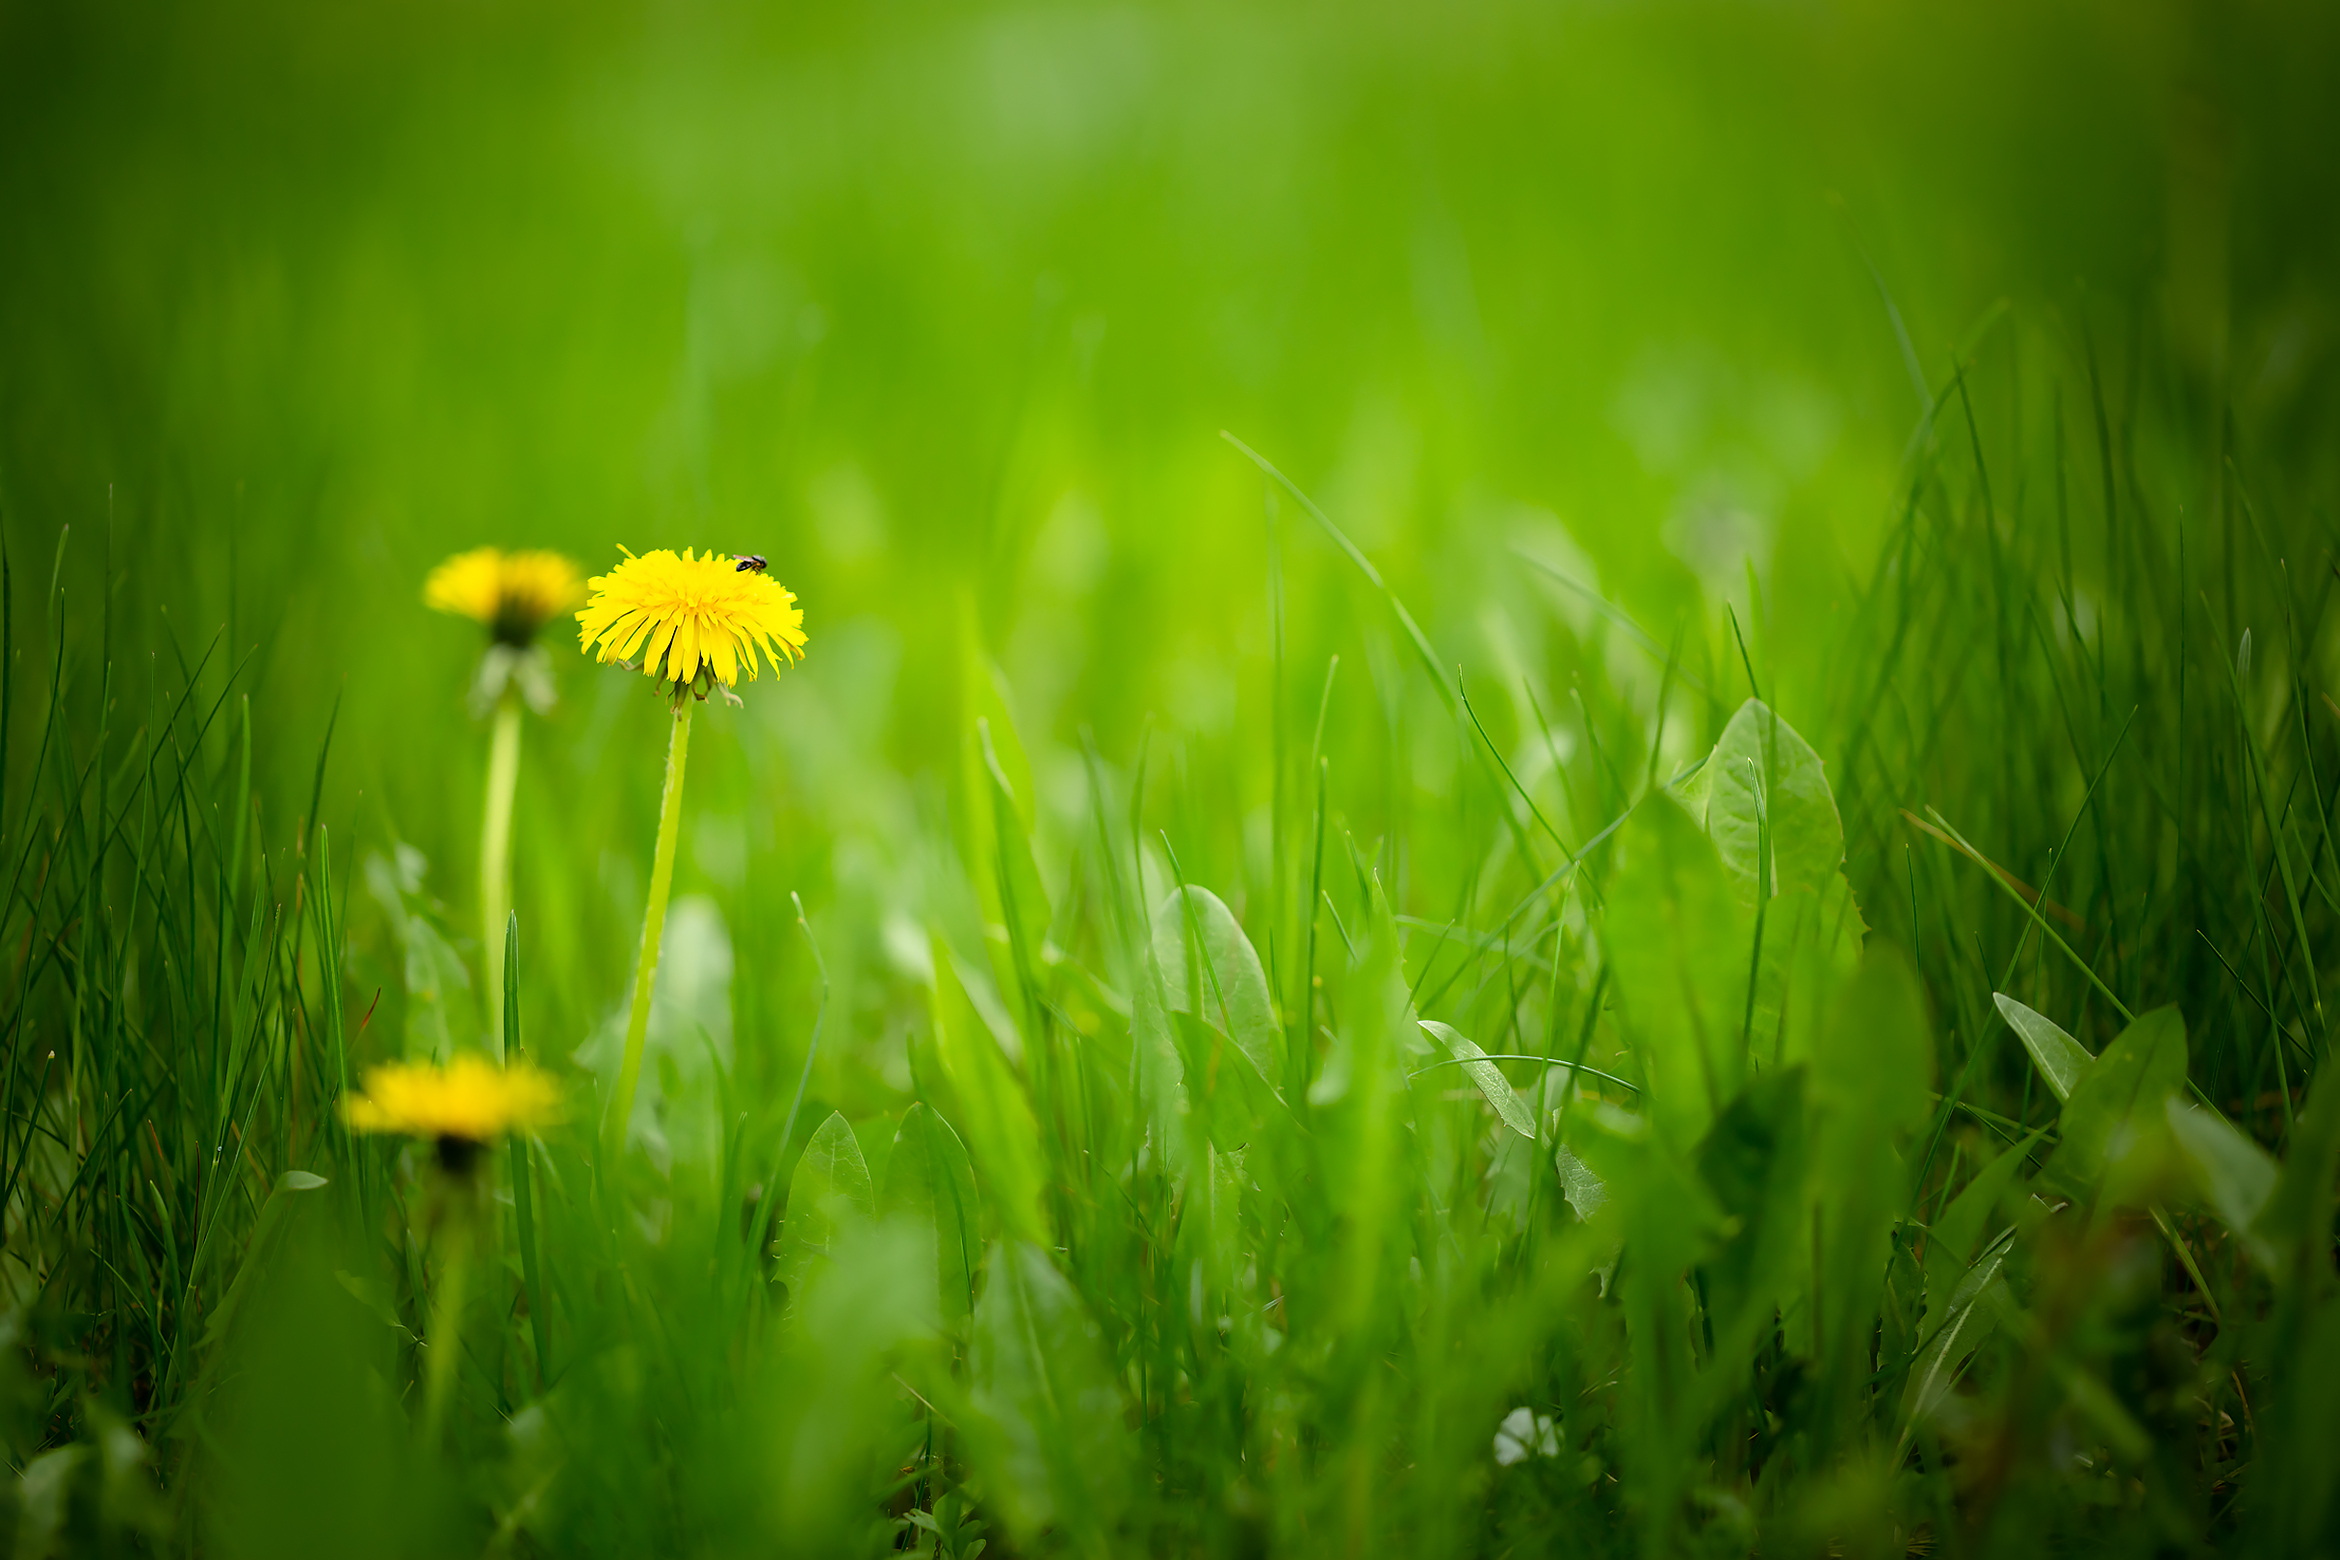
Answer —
461 1108
695 622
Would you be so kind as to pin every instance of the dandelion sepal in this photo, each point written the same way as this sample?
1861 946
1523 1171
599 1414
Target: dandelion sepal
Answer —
505 671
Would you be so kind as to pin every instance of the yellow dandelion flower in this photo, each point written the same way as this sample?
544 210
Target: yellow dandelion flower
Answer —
463 1105
694 621
514 594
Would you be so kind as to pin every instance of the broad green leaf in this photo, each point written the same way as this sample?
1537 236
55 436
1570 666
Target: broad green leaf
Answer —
1209 1243
1877 1054
1764 784
1870 1084
2062 1060
267 1236
1664 1221
2297 1221
1046 1425
375 1297
1486 1075
1217 977
1964 1292
2236 1175
1004 1137
1584 1191
1160 1070
1509 1179
827 1195
2101 1406
1748 1140
1680 945
1753 1162
2124 1090
1965 1321
1718 976
2294 1474
830 1406
1812 941
931 1185
1953 1238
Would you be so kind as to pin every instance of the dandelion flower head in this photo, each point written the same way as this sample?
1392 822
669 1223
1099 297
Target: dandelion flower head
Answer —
513 593
693 620
470 1100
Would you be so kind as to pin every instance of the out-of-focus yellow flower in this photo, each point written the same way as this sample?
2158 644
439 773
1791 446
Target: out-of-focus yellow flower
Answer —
515 594
694 621
463 1105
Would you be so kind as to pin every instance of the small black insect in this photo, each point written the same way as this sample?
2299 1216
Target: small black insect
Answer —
749 563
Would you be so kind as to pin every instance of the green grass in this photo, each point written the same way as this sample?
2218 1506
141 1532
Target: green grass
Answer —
1254 995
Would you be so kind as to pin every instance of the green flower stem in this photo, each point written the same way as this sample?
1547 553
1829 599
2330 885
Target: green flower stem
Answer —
621 1105
443 1348
495 856
523 1199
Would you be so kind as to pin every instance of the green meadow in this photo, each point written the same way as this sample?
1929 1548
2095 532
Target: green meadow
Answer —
1565 780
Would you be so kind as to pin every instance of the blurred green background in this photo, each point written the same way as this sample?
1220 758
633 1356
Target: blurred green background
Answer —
940 302
942 309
